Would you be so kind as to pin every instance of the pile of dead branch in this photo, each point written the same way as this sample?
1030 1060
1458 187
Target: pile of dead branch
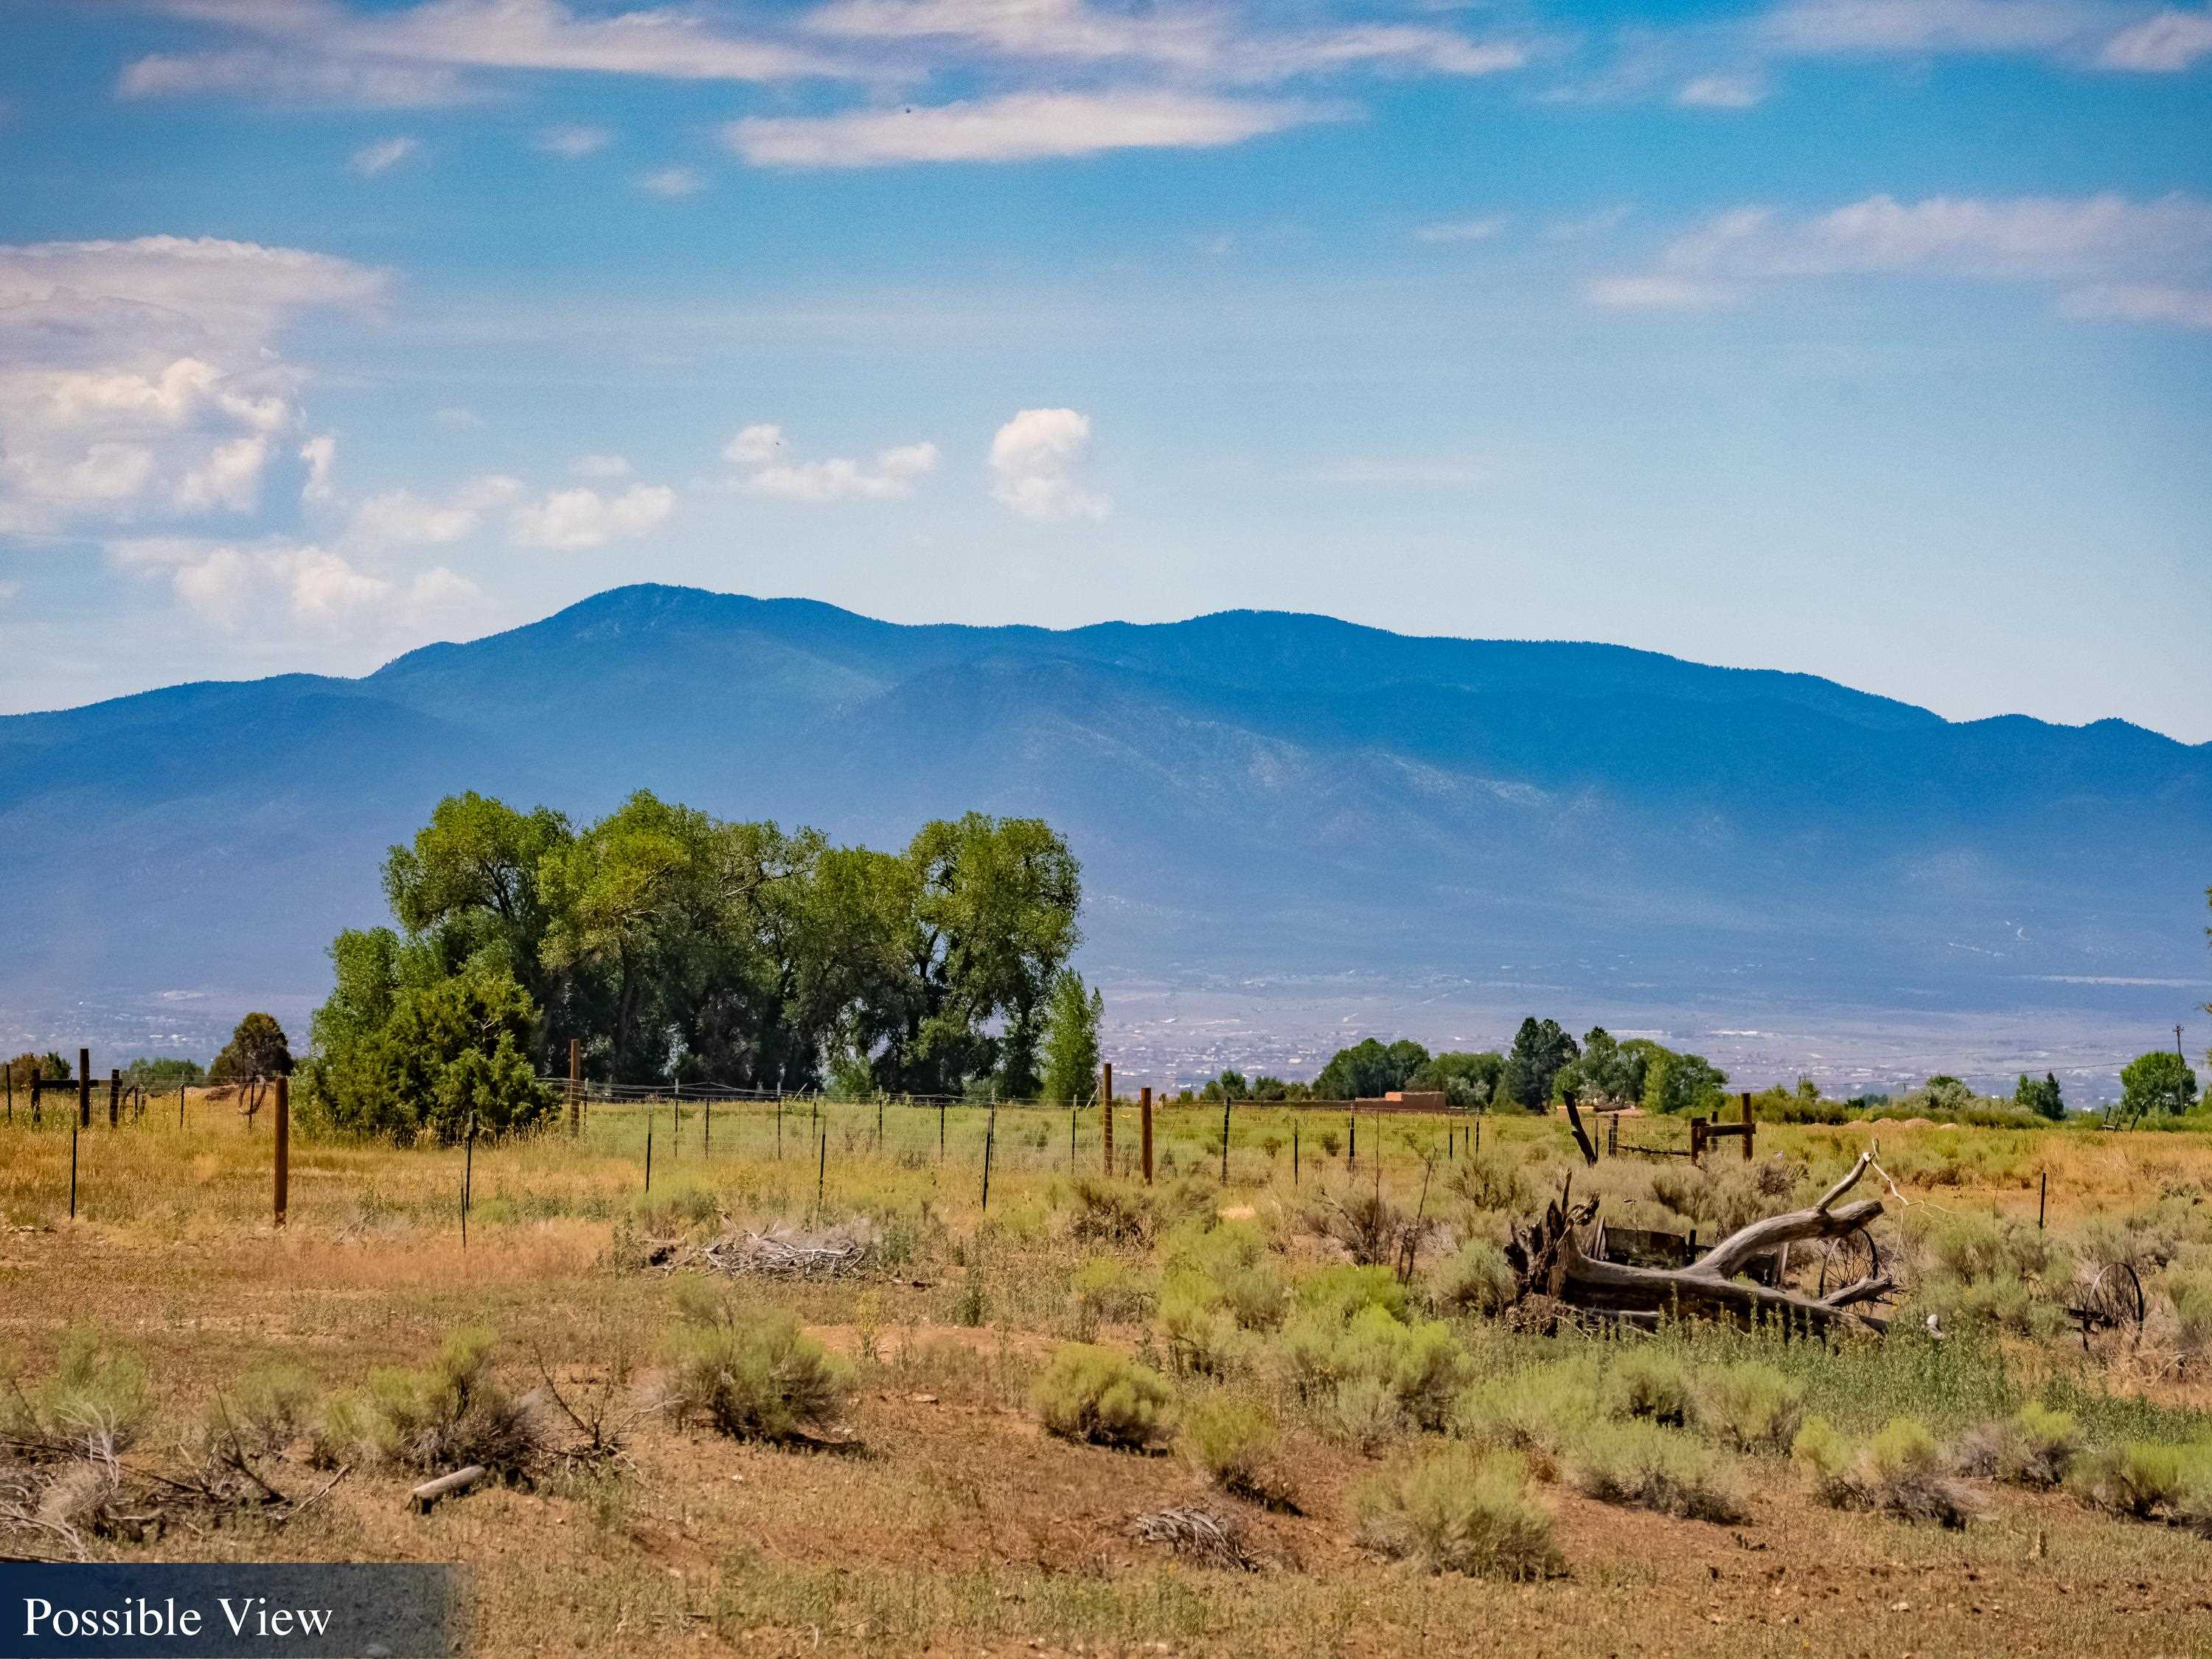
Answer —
1550 1261
844 1251
1197 1536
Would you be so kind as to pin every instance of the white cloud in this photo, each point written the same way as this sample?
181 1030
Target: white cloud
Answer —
2177 307
293 78
1722 92
601 466
2024 237
1035 458
1016 127
321 456
2165 44
1461 230
229 477
142 379
2105 245
672 182
1194 40
260 587
571 520
328 50
1924 28
759 450
400 518
573 142
384 155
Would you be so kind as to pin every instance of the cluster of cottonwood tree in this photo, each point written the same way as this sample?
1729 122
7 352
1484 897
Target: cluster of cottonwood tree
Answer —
676 947
1544 1062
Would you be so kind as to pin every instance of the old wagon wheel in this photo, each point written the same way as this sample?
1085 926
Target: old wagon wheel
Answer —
2114 1301
1847 1260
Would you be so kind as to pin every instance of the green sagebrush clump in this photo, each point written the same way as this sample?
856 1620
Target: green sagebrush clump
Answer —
1456 1509
1473 1279
435 1417
753 1374
1093 1394
2150 1480
1233 1442
1648 1383
1355 1363
1640 1464
1900 1471
97 1392
2033 1447
1539 1410
1747 1404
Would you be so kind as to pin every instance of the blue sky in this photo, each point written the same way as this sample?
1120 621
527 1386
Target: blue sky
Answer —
1867 338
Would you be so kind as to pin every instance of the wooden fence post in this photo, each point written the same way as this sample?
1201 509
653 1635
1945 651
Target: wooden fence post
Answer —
468 1177
283 1145
1224 1137
1145 1127
575 1087
114 1098
1750 1129
1106 1112
84 1088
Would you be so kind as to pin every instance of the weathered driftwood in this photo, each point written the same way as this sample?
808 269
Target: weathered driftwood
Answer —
1550 1260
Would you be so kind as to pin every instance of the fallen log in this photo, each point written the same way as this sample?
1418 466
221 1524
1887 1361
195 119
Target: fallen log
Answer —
424 1496
1549 1259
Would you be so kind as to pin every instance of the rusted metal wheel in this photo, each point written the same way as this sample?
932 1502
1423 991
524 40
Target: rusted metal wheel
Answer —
2115 1299
1847 1260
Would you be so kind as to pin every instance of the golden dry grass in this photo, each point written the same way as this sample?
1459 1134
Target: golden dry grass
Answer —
952 1521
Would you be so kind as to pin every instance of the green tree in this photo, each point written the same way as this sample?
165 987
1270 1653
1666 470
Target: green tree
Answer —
448 1052
257 1052
48 1067
1604 1071
471 881
1680 1083
2042 1097
1542 1049
2160 1081
1367 1069
1232 1084
1071 1039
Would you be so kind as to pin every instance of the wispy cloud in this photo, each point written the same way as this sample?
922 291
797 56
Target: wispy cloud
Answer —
768 467
1722 92
1017 127
422 52
1461 230
2165 44
573 142
672 182
2139 261
383 155
577 520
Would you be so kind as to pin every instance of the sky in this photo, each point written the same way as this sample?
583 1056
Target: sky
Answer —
1869 338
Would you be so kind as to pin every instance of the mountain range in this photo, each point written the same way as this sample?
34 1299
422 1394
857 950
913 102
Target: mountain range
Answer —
1255 796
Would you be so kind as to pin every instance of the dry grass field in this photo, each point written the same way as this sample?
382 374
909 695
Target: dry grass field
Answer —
1403 1470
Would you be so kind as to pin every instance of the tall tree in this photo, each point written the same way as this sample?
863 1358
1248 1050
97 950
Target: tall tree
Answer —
1541 1047
2160 1081
1071 1039
258 1051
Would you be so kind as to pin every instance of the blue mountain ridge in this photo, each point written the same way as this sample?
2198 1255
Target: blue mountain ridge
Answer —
1251 794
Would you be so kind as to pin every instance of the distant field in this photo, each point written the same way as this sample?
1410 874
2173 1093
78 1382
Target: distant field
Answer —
932 1510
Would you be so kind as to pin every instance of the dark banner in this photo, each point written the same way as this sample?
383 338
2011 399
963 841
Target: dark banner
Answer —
241 1610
